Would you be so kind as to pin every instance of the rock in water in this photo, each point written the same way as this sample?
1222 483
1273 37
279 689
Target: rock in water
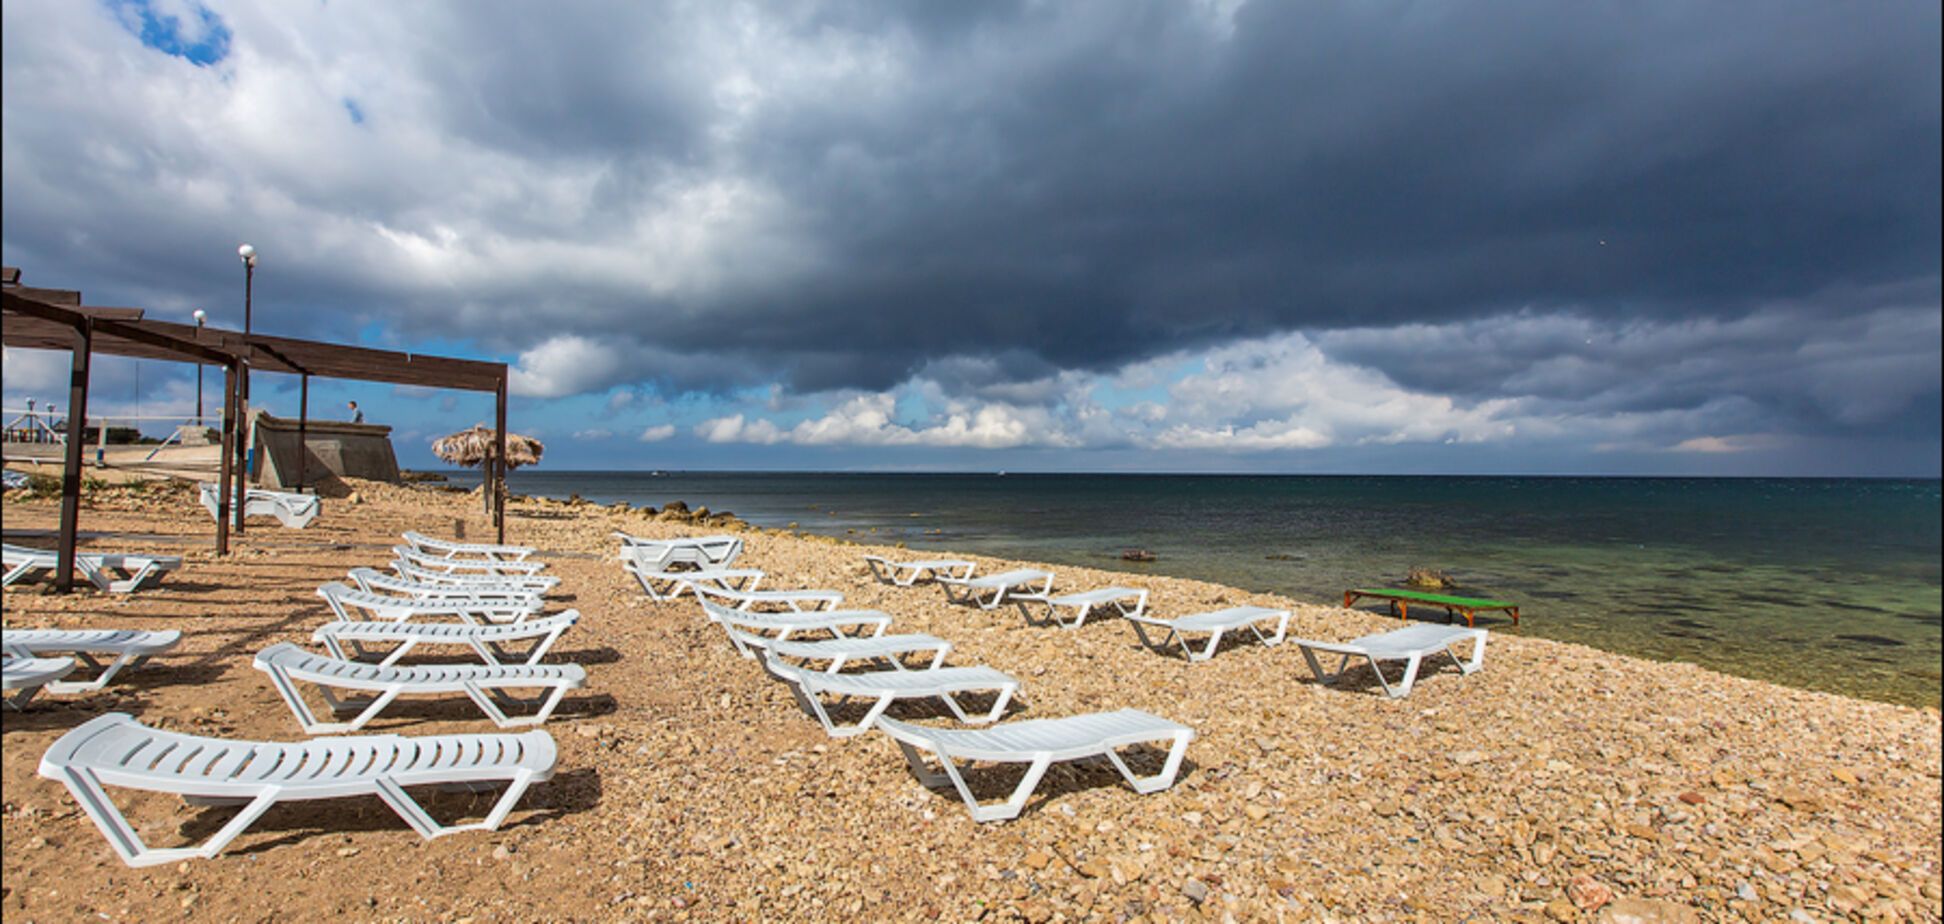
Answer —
1430 578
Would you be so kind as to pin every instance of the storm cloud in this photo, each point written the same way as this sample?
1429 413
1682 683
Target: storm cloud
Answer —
980 226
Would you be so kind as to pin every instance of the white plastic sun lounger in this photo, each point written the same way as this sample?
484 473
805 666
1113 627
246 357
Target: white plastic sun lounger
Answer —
136 572
1215 623
372 581
886 687
26 676
700 551
971 590
475 567
888 650
399 609
484 551
1411 645
486 641
294 511
1083 603
116 750
667 585
787 624
907 573
795 601
533 583
286 664
1038 743
130 647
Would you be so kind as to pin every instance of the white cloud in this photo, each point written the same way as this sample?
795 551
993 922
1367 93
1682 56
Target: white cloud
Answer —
595 433
565 365
867 420
657 433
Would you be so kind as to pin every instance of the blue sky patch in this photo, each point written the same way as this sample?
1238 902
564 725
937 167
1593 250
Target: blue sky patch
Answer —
357 114
202 43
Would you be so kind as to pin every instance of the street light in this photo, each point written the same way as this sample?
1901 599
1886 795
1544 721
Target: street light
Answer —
248 254
200 316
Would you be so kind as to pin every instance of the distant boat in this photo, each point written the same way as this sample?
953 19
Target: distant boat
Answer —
1002 474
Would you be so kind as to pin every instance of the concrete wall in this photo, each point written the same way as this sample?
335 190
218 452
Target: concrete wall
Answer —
333 447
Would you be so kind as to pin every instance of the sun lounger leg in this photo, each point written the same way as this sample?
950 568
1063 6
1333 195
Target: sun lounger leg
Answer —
88 791
1008 809
1161 780
1403 687
1214 641
101 679
18 701
489 700
998 707
415 815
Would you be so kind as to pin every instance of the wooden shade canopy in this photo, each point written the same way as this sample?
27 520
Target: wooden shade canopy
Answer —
56 319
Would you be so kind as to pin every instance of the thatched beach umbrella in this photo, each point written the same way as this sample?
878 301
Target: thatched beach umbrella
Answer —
474 447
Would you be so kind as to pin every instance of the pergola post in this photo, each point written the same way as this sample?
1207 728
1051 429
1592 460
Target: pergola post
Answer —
223 462
499 459
242 469
303 425
71 469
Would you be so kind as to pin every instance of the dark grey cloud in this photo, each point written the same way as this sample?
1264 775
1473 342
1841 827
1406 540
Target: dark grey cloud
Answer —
984 195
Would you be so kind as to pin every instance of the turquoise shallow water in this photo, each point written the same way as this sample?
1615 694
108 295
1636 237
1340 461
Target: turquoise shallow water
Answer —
1830 584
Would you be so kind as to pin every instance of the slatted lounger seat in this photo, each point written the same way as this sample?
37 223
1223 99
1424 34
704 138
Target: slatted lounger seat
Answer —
287 663
486 641
342 600
1215 624
129 647
1401 600
695 551
1038 743
485 551
667 585
372 581
1411 645
294 511
137 572
531 583
26 676
795 601
888 650
1083 603
116 750
907 573
886 687
475 567
972 590
787 624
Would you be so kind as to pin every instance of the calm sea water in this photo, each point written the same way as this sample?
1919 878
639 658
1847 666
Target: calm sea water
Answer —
1831 584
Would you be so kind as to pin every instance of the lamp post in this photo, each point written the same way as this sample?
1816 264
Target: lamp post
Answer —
200 316
246 450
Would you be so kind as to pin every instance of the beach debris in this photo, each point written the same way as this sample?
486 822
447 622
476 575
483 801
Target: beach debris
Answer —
1431 578
1136 555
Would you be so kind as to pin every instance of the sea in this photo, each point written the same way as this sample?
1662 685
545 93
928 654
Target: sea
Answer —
1826 584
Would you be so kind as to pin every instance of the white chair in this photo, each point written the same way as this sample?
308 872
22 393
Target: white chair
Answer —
1038 743
116 750
907 573
485 551
888 650
137 572
475 567
884 687
342 599
1083 603
287 664
1214 623
795 601
372 581
486 641
1411 645
294 511
27 676
787 624
972 590
667 585
697 551
130 648
531 583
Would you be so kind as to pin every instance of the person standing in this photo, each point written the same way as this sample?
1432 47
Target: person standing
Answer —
357 416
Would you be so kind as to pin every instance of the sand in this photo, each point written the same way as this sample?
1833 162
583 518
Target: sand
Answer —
1561 783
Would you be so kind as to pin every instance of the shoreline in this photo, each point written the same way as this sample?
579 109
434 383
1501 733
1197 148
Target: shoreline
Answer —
1560 782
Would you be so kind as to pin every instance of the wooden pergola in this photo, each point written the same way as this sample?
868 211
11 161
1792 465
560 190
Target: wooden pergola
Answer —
56 319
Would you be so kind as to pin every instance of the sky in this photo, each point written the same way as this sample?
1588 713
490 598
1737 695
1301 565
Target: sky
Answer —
1659 237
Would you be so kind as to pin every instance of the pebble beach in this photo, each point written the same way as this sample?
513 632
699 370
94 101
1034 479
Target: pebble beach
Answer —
1560 783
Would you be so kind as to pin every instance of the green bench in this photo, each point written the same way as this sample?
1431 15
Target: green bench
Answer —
1401 600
